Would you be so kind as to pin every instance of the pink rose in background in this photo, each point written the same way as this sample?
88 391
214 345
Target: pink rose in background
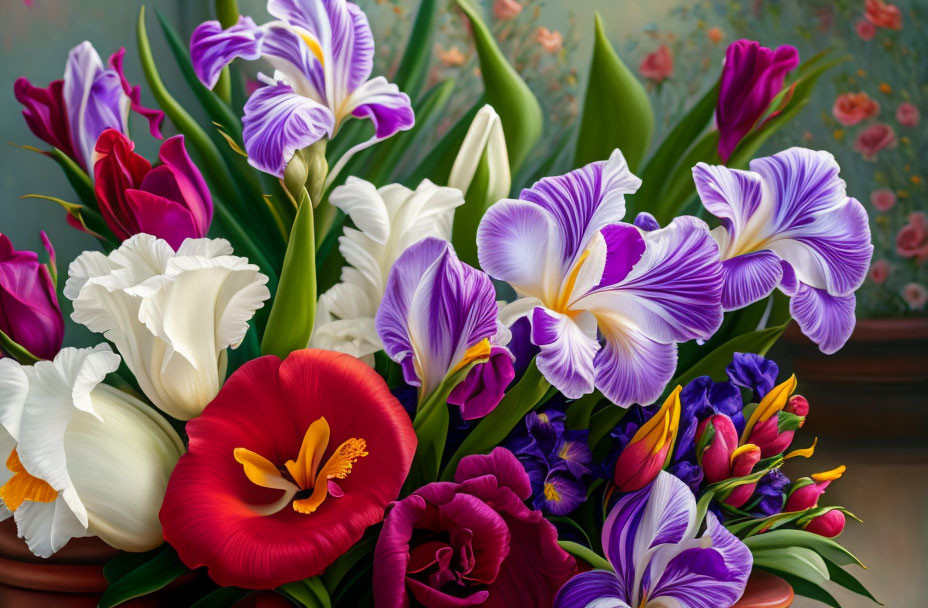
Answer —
874 138
883 199
912 240
915 295
907 114
852 108
865 29
550 40
506 9
657 66
879 271
882 14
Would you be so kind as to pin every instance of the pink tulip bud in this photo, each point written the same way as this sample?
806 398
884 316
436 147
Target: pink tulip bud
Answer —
798 405
716 456
647 452
830 524
742 463
806 491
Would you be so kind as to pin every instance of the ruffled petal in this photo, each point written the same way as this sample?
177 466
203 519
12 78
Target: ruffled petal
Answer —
382 102
94 100
134 94
212 48
278 122
732 195
597 588
749 278
631 367
568 347
826 319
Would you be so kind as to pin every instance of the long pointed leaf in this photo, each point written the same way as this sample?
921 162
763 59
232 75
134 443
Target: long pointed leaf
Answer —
414 66
156 573
616 111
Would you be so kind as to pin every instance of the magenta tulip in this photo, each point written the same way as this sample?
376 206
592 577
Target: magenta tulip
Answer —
170 201
29 312
805 495
752 76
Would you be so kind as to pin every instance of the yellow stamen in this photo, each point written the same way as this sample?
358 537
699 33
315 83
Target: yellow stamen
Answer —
313 45
773 402
305 470
563 300
551 493
480 350
23 486
831 475
544 418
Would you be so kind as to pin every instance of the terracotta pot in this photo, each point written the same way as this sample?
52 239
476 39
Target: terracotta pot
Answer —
766 590
873 388
71 578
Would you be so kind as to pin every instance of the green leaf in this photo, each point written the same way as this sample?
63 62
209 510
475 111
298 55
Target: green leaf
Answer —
346 563
293 312
714 363
414 66
603 421
586 554
310 593
156 573
580 411
493 428
91 221
842 577
437 164
221 598
678 186
505 91
826 547
806 588
798 561
667 155
616 110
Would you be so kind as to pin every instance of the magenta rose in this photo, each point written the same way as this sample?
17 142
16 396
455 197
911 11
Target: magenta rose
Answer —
874 138
907 114
471 542
883 199
912 240
865 30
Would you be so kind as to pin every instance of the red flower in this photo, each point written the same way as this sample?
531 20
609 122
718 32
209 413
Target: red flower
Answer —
879 271
874 138
865 30
294 426
882 14
657 66
851 108
883 199
912 240
907 114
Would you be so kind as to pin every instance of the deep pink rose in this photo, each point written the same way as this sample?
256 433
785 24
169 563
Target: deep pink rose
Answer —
907 114
874 138
506 9
29 312
915 295
882 14
170 201
657 66
851 108
865 30
883 199
912 240
879 271
471 542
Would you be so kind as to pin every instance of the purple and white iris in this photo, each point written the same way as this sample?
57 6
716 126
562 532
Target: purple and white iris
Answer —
72 113
650 540
438 315
789 223
577 270
322 52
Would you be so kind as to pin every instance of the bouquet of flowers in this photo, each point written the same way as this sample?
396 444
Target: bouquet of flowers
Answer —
344 378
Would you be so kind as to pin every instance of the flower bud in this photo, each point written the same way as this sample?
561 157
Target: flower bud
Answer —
772 425
806 491
170 201
82 458
798 405
717 433
830 524
29 312
742 463
649 449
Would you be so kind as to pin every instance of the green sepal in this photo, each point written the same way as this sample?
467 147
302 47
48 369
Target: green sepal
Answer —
788 421
20 353
586 554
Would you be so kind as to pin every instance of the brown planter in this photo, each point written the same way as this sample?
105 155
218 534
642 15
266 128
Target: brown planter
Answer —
876 387
766 590
71 578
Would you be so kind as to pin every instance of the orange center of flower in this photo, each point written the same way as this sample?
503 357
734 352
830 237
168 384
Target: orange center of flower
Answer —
310 481
23 486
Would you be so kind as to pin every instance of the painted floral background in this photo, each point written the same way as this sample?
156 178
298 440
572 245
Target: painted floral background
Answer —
868 110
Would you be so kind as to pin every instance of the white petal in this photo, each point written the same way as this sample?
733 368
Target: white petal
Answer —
14 385
485 134
360 200
47 526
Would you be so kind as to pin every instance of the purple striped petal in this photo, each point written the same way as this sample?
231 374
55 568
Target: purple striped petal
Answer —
731 195
672 294
749 278
661 512
703 576
646 221
588 587
826 319
568 347
384 104
278 122
584 201
624 248
212 48
434 308
283 48
483 389
94 100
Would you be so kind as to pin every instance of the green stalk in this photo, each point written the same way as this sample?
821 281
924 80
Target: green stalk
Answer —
227 13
